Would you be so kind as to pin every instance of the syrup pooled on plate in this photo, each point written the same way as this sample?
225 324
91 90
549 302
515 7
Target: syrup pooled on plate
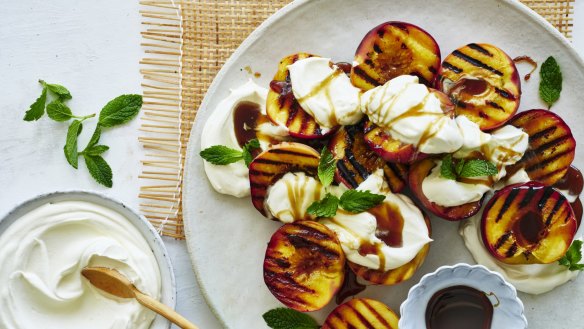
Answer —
573 183
459 307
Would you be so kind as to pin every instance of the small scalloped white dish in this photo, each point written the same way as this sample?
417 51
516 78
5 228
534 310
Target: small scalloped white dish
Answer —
508 314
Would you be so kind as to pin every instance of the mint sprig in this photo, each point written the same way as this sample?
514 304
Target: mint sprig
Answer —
354 201
222 155
117 111
573 257
285 318
550 85
462 168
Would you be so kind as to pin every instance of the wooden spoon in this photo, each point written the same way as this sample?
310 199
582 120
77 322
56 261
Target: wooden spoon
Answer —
115 283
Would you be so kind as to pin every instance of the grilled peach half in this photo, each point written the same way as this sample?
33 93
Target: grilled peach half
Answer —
397 275
528 224
393 150
551 147
304 265
283 108
482 82
393 49
356 161
361 313
418 172
275 162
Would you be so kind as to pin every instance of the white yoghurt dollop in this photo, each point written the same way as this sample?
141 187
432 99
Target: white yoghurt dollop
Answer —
233 179
42 254
325 92
504 146
530 278
448 192
407 110
353 230
290 196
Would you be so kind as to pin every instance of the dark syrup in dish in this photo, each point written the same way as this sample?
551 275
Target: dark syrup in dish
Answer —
459 307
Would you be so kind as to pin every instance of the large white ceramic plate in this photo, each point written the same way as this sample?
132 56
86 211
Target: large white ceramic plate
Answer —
227 236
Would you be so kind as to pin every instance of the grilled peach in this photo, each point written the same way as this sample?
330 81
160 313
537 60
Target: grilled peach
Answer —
393 150
393 49
283 108
551 147
304 265
389 148
418 172
482 82
361 313
356 161
397 275
273 163
528 224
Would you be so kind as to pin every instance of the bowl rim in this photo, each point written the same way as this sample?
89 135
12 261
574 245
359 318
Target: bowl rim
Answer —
149 233
449 268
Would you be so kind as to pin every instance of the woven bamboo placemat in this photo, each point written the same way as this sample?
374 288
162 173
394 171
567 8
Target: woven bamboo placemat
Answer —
185 44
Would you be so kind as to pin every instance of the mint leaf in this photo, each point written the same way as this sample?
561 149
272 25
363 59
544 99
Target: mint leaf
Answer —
37 109
99 169
447 168
550 85
326 167
285 318
327 207
573 256
95 137
58 111
120 110
247 148
70 148
58 90
221 155
359 201
459 166
477 167
96 150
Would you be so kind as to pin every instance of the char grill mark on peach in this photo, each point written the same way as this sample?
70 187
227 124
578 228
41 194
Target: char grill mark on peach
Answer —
479 49
551 146
452 67
508 201
476 62
299 241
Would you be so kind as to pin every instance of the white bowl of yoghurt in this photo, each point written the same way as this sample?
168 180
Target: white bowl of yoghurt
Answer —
45 243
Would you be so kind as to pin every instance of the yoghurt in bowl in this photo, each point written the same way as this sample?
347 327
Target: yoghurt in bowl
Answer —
47 241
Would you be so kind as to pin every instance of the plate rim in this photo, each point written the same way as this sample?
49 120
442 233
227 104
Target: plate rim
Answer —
248 42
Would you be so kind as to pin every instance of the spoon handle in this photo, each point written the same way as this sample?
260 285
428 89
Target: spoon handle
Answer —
164 310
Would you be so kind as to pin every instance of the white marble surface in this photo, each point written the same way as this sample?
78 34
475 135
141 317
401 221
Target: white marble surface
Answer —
92 47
